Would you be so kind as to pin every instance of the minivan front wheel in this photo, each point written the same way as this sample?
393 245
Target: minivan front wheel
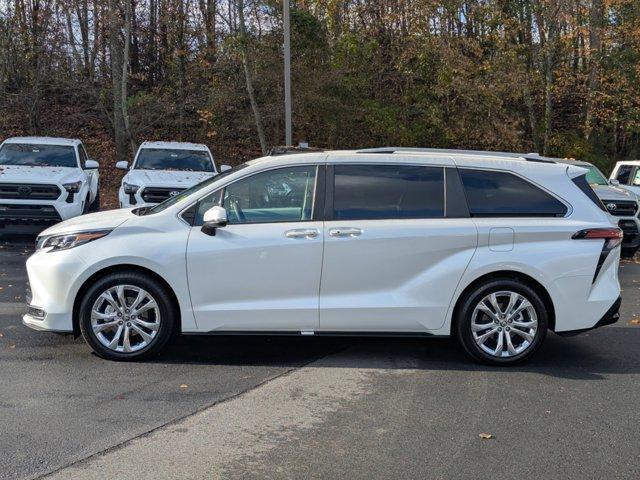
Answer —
502 322
126 316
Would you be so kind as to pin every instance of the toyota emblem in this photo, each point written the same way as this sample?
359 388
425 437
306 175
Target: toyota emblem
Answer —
24 190
611 206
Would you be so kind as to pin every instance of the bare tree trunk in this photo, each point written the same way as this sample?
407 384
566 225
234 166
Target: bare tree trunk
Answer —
118 70
596 21
549 47
246 64
208 12
125 70
182 73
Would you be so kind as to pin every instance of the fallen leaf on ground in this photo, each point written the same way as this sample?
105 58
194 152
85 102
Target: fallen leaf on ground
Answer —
486 436
635 321
184 385
12 346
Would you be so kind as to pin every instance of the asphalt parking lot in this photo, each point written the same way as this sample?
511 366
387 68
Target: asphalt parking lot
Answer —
241 407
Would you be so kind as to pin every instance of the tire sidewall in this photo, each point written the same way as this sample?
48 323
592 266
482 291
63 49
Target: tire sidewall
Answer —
159 294
463 320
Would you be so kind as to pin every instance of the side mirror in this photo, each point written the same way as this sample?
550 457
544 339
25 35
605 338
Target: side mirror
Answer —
614 182
91 165
224 168
215 217
122 165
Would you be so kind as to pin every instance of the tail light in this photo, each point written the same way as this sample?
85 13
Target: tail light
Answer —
611 236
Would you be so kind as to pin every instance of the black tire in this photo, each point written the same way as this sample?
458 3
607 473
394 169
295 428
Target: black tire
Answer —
95 206
463 320
86 208
628 252
167 311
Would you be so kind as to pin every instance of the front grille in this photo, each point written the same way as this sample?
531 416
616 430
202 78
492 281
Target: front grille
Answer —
29 191
621 208
158 194
13 213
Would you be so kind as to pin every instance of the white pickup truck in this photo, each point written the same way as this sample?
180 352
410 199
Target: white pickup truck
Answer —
45 180
163 169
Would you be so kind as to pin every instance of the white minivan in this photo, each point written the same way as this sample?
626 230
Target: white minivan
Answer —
495 251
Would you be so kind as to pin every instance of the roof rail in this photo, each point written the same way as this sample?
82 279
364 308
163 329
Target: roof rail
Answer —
287 150
531 157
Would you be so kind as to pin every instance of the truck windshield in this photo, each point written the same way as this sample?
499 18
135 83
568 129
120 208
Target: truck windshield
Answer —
171 159
31 155
595 177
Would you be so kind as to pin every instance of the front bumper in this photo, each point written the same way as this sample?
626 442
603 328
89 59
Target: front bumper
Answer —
610 317
631 232
35 216
54 279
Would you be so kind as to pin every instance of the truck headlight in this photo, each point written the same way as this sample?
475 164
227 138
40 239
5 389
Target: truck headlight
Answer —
73 187
129 188
69 240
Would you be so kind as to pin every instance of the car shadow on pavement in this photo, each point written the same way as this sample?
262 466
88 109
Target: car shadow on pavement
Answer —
591 356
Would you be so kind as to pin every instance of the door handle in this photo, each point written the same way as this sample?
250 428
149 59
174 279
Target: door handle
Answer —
345 232
302 233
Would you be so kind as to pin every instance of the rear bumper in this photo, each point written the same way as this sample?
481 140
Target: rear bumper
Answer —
611 316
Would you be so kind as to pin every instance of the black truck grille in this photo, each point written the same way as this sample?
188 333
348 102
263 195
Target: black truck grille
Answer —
159 194
621 208
15 213
29 191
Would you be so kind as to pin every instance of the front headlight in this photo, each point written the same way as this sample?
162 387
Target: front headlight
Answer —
129 188
69 240
72 187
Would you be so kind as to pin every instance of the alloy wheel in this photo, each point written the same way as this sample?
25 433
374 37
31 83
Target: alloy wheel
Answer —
504 324
125 318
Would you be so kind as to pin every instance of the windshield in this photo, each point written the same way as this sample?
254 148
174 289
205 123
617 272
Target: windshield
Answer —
595 177
171 159
188 192
30 155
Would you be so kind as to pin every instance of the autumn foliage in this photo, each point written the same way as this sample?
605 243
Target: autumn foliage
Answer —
560 77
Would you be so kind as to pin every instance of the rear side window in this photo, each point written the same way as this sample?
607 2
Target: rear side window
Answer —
624 172
368 192
503 194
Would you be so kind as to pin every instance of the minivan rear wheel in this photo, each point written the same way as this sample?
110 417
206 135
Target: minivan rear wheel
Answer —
126 316
502 322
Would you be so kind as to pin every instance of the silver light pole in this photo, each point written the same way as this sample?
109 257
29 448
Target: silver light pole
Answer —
287 73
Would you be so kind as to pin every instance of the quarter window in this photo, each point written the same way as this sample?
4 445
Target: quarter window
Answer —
281 195
363 192
502 194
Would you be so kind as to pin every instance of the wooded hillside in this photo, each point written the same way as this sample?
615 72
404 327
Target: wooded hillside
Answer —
559 77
